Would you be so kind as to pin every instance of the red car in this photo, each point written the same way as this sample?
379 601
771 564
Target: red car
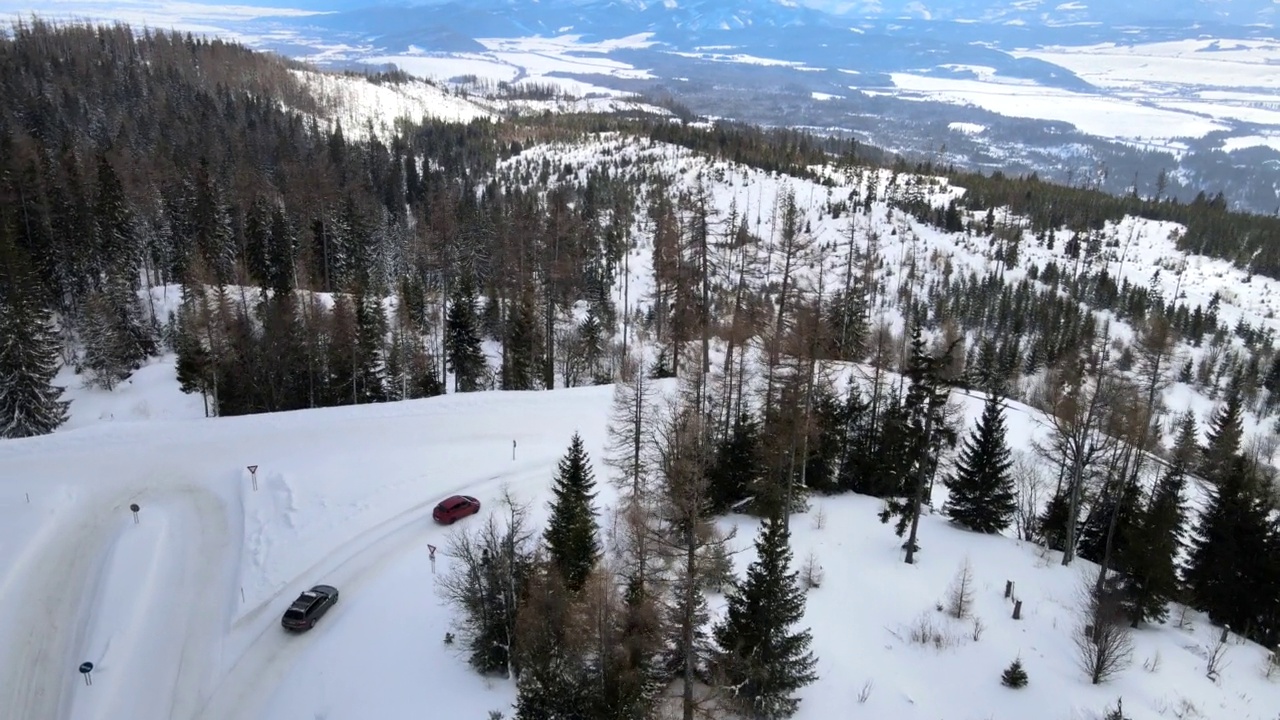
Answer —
453 509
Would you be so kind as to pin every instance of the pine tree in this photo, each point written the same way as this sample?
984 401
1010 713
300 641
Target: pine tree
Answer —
982 492
462 338
1053 522
519 347
1014 676
1226 431
678 651
591 345
1150 561
571 533
1094 530
736 468
637 679
1227 569
371 330
29 402
759 656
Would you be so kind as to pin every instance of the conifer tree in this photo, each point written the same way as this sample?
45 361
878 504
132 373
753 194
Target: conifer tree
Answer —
571 534
552 683
1150 561
519 347
29 402
462 338
115 339
1014 676
370 348
737 468
1118 497
591 344
982 492
759 655
1226 432
1229 550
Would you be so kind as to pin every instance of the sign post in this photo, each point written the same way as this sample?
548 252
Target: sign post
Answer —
431 553
513 449
134 509
253 475
85 669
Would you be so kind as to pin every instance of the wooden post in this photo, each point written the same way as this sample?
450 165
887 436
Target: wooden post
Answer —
1008 589
1017 610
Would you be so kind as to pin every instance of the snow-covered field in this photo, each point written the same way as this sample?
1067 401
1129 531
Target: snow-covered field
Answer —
1103 115
180 611
1194 84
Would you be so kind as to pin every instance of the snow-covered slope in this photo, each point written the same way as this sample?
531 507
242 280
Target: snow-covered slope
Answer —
1143 252
180 611
360 105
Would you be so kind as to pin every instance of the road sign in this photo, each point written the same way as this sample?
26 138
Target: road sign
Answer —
134 508
431 551
85 669
253 469
253 474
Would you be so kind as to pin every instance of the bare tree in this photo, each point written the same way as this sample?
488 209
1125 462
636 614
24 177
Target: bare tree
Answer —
630 431
485 582
1079 399
685 537
1103 637
1030 483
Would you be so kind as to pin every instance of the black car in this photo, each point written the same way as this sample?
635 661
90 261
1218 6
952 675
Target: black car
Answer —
309 607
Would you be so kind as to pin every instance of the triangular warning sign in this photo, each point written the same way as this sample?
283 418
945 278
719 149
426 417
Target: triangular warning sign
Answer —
253 469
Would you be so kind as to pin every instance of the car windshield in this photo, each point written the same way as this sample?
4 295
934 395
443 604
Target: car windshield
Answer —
293 614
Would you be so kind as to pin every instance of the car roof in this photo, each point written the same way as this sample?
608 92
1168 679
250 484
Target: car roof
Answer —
453 500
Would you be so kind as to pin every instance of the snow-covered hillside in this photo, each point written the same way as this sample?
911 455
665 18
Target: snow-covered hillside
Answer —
180 612
915 254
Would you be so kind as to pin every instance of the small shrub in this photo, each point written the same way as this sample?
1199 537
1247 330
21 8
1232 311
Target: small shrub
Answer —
925 632
1116 713
960 596
1014 676
1273 665
448 638
1214 655
812 573
819 519
1152 664
865 693
977 628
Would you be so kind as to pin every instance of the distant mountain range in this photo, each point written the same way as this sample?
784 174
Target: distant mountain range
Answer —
948 82
693 14
684 23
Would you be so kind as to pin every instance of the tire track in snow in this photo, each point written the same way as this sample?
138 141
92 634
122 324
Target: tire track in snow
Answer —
268 658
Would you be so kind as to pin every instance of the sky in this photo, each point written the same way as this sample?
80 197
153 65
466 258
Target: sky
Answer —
255 7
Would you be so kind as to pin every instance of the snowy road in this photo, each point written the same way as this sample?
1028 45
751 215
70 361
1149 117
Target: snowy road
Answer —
274 653
144 603
180 613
